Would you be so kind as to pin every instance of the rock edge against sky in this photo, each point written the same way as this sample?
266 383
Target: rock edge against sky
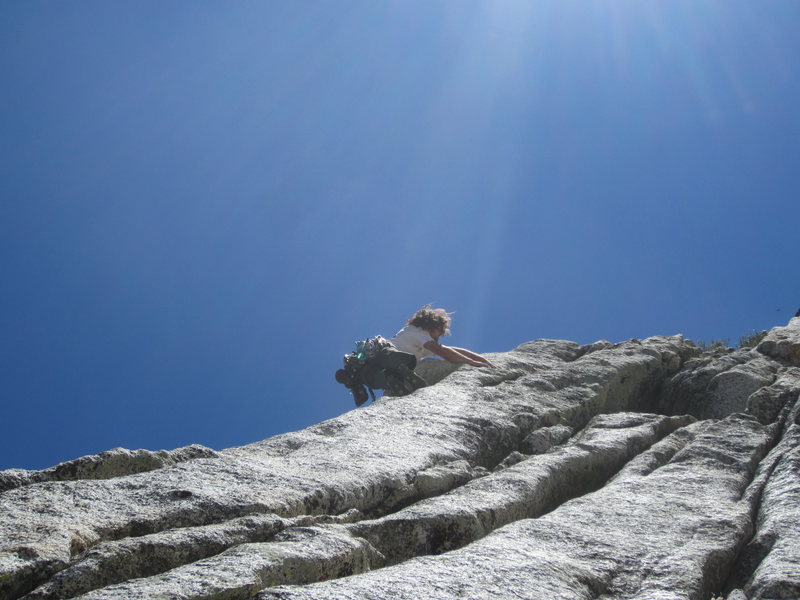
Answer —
645 469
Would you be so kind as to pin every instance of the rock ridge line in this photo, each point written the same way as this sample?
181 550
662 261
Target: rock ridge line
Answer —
643 469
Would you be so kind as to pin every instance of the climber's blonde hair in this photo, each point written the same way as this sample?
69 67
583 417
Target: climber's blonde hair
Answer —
428 318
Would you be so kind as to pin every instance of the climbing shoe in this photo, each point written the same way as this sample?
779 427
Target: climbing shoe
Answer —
359 394
350 381
403 381
411 381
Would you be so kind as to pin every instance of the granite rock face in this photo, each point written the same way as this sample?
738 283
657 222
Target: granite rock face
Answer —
783 343
644 469
106 465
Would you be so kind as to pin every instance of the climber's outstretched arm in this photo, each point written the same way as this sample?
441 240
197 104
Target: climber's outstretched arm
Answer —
457 355
468 353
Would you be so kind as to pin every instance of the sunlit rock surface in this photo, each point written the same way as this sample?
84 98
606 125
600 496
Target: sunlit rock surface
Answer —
644 469
106 465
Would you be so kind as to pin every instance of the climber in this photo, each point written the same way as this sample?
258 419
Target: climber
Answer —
389 364
421 334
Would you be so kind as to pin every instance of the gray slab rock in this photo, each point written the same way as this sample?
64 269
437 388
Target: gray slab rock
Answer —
598 345
527 489
433 370
730 390
783 343
542 440
767 403
509 461
106 465
296 555
474 415
116 561
772 557
671 533
430 526
713 387
679 392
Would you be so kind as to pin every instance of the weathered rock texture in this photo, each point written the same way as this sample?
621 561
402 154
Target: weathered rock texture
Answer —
106 465
645 469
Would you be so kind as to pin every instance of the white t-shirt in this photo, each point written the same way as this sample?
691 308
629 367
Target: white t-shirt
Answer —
412 339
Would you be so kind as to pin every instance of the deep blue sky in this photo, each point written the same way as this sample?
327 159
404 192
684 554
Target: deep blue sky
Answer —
203 204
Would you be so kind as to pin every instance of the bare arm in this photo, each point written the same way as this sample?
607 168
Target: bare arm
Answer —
457 355
473 356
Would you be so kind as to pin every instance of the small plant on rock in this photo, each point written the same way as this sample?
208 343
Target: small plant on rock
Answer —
752 340
713 345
